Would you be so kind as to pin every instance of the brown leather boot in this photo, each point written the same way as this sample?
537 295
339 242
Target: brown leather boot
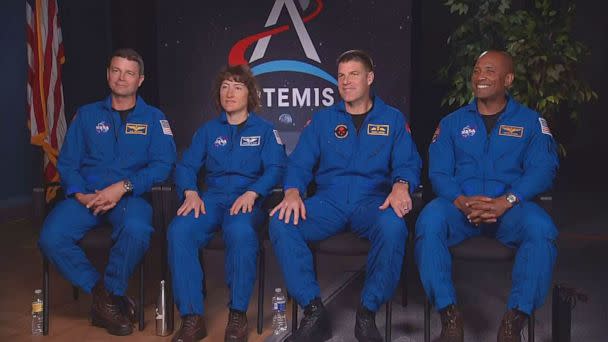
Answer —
510 327
452 325
106 313
192 329
236 329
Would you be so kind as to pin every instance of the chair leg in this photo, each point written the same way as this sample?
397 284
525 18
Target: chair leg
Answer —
261 283
140 310
75 292
389 321
202 261
531 327
294 316
404 282
427 320
45 296
170 303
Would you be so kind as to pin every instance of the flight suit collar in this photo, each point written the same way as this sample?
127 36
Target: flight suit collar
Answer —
251 119
140 104
377 108
512 106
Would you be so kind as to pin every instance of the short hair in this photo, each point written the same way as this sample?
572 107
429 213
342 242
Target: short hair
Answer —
238 73
357 55
129 54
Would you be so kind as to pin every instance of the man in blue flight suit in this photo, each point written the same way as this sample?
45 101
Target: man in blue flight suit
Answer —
243 158
488 160
114 151
362 158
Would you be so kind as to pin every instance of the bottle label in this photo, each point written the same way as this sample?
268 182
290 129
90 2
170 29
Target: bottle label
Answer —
36 307
279 306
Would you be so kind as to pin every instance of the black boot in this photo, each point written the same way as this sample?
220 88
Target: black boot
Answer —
452 325
315 326
106 312
510 326
365 326
236 328
192 329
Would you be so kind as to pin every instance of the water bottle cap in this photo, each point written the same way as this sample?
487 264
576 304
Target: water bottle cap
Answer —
277 290
37 291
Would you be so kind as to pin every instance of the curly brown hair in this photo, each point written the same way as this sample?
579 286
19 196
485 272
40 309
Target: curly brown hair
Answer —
238 73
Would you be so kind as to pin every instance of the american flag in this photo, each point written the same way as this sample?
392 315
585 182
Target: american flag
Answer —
45 105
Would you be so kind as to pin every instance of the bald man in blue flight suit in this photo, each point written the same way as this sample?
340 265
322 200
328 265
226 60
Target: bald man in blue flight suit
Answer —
488 160
114 151
362 158
243 158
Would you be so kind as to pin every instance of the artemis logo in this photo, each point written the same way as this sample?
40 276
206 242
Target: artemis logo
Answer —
298 24
262 40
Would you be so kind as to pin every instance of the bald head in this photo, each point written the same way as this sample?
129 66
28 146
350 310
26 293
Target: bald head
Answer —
492 75
501 57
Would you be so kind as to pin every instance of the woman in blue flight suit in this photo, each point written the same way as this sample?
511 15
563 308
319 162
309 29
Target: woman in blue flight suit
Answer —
243 158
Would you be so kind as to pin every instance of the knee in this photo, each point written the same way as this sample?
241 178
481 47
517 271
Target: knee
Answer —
539 228
240 236
51 238
392 229
433 218
276 228
138 228
179 231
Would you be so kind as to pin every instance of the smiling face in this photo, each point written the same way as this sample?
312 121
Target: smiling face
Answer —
233 96
492 75
123 77
354 81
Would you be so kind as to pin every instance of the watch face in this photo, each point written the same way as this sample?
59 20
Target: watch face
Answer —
511 198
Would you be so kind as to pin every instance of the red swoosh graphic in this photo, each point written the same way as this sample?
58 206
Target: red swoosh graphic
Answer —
237 53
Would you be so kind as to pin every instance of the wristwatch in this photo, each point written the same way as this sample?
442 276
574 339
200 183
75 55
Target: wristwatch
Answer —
402 181
127 185
511 198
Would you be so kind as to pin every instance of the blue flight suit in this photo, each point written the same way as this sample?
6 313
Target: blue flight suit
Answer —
235 161
100 150
518 156
354 174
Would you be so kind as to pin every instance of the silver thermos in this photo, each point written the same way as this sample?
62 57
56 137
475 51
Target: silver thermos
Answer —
162 328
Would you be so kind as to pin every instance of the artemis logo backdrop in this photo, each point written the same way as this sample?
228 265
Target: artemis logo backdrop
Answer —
291 46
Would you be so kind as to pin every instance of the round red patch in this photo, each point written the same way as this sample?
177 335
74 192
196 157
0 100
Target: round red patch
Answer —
341 131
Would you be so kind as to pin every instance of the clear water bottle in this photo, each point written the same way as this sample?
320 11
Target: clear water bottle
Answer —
279 306
37 312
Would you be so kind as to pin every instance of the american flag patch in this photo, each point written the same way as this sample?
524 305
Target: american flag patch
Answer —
544 127
166 128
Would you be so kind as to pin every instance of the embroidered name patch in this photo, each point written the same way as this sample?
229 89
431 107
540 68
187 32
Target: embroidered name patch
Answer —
511 131
250 141
133 128
166 128
373 129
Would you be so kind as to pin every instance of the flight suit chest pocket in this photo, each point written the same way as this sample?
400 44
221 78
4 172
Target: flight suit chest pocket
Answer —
249 156
100 140
135 141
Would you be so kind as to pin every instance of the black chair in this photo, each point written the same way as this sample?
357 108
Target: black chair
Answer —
485 249
349 244
217 244
97 239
